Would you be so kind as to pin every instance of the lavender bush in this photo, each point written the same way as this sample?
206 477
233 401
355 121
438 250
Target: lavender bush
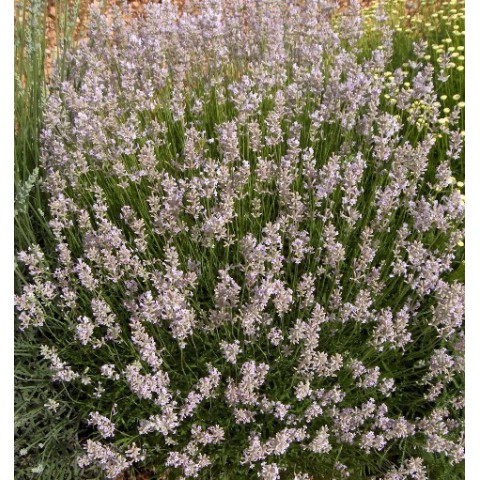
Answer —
256 243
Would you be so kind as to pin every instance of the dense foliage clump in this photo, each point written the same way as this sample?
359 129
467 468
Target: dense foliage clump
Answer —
256 242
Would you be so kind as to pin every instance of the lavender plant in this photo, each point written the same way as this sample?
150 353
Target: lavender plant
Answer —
253 265
46 442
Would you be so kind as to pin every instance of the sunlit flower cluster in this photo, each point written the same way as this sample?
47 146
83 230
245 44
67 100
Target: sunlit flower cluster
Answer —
254 244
